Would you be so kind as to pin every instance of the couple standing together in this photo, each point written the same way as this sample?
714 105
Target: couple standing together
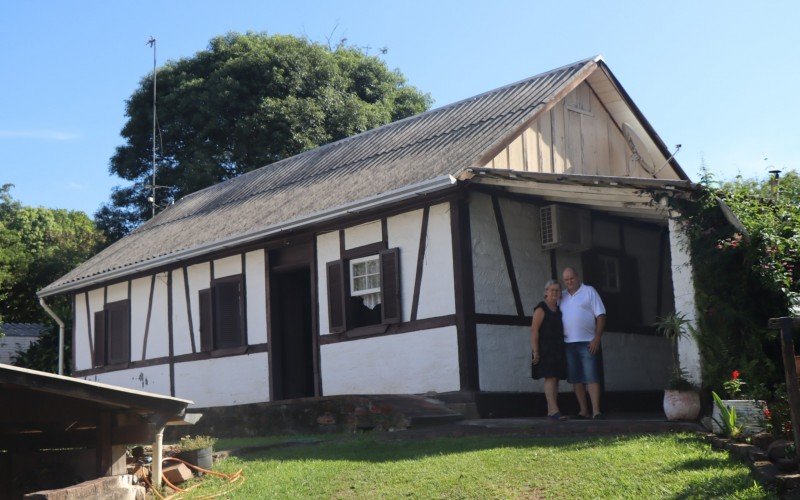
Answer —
565 342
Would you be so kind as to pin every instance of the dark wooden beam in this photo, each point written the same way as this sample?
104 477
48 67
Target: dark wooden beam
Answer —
512 276
423 236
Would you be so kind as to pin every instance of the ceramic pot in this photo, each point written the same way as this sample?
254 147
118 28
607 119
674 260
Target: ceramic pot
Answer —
749 415
681 405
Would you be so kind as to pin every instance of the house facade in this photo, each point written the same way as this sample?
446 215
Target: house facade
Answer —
404 260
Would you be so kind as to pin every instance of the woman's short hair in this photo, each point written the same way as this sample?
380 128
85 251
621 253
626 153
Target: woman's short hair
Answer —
551 282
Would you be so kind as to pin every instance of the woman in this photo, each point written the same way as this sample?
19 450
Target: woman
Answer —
547 343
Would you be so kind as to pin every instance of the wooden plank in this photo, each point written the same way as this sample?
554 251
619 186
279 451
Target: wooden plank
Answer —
558 140
512 277
423 236
149 316
776 323
573 142
601 119
188 306
515 159
465 295
589 144
526 135
617 152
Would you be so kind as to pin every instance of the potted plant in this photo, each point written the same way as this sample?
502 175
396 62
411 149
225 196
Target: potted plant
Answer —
681 399
197 450
749 412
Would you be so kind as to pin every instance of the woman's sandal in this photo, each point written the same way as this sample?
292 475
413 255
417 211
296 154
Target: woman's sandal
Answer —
557 416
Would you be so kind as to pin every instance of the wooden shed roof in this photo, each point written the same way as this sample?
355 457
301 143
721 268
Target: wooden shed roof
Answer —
39 409
410 157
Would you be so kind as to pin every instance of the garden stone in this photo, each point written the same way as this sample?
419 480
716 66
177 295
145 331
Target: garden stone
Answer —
786 465
762 439
777 449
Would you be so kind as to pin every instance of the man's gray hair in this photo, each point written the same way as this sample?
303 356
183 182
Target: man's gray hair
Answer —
574 271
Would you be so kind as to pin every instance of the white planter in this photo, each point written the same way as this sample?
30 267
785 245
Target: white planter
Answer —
681 405
749 416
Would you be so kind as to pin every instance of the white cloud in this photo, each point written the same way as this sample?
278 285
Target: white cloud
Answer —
47 135
75 186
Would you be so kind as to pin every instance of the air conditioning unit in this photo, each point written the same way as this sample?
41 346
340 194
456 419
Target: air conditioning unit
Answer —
565 227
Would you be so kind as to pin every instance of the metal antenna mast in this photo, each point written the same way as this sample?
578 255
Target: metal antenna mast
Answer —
152 42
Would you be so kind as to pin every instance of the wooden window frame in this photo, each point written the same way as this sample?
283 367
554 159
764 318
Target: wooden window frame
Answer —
339 292
209 318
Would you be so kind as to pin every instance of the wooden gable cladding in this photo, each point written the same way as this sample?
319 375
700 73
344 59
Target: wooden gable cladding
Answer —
578 135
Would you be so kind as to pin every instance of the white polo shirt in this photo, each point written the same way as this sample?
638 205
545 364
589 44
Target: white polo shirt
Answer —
578 313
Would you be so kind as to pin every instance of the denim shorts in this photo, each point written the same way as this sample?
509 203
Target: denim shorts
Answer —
582 366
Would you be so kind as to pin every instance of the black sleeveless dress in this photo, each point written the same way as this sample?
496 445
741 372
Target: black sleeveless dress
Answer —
552 356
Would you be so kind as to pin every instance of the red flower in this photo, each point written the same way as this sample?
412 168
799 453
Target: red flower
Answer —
767 413
735 375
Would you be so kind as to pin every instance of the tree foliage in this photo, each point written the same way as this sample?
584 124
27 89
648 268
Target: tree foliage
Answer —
744 277
37 246
247 101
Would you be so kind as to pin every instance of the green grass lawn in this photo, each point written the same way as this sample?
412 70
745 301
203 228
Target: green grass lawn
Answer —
660 466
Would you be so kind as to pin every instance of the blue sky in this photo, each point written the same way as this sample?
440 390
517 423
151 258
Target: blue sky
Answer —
718 77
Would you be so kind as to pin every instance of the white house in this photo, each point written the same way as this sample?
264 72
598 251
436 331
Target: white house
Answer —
17 338
406 259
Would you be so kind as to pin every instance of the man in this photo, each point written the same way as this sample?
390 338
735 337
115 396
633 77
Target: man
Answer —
584 317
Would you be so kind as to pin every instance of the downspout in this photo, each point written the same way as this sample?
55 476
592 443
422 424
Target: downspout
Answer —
60 335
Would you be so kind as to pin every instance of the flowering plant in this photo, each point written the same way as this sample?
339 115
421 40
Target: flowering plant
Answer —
733 387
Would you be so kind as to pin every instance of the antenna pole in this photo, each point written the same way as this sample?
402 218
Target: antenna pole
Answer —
152 43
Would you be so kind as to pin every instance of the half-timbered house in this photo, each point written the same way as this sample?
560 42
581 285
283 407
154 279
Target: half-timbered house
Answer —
403 260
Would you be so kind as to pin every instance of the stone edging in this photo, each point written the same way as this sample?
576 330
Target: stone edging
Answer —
764 471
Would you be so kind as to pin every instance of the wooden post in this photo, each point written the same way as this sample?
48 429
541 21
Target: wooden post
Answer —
786 326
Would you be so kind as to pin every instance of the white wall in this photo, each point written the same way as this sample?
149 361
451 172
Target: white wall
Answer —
630 362
492 287
410 363
181 340
228 266
363 234
531 264
404 231
683 290
140 293
327 251
153 379
117 292
256 297
436 293
635 362
11 345
199 279
232 380
158 337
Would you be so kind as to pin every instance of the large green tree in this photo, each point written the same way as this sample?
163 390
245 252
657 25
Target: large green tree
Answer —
247 101
38 245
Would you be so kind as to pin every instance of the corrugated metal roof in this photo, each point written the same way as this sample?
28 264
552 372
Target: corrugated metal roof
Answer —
22 329
439 142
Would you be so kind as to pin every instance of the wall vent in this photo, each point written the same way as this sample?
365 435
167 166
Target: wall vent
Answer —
565 227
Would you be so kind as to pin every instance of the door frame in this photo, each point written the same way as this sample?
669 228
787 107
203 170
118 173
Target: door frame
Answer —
294 255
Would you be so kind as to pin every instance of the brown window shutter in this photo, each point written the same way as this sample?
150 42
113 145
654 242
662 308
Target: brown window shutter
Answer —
337 296
118 332
390 286
228 314
206 321
99 338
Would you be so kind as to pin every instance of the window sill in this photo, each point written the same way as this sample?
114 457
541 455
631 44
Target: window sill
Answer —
228 351
364 331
